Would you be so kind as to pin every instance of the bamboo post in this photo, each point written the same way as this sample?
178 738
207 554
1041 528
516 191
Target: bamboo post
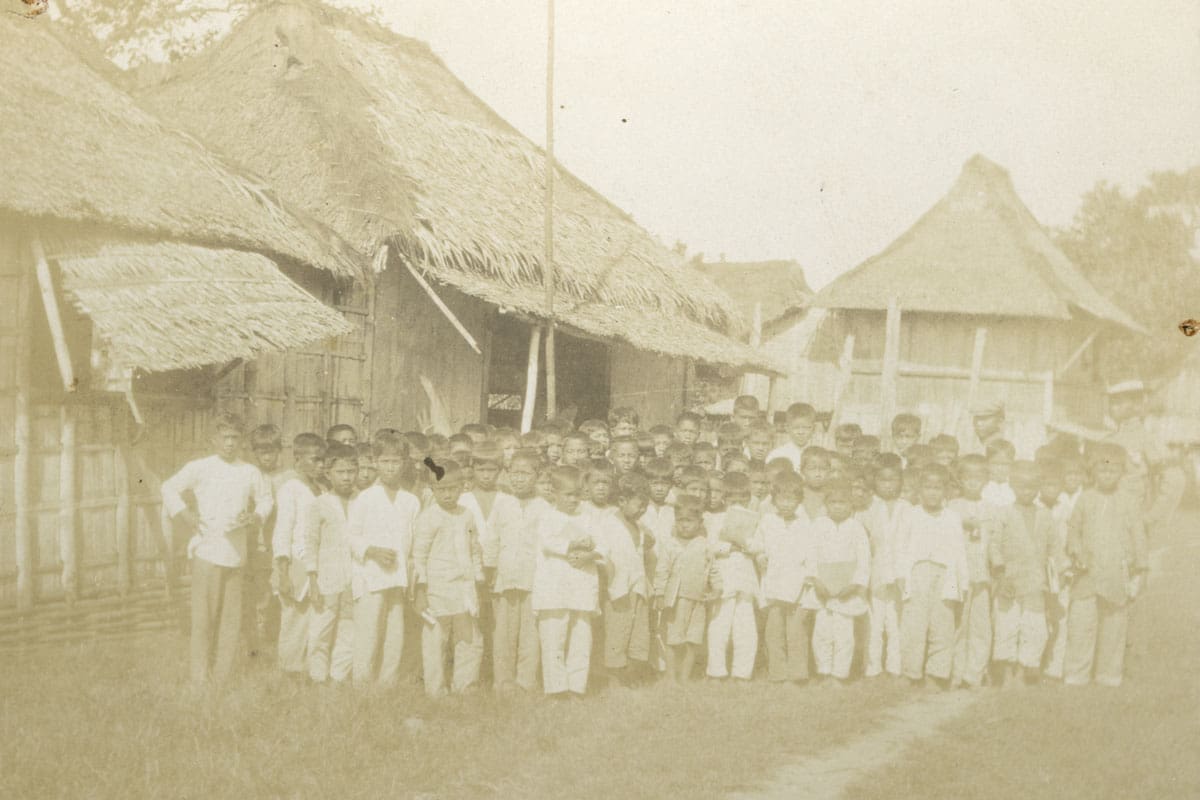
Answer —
531 376
124 555
846 372
53 318
23 441
67 532
890 371
445 309
368 352
551 376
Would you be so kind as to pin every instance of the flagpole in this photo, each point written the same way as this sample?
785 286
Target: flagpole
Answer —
551 384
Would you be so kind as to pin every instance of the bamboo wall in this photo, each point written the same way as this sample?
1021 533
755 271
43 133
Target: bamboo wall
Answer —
651 383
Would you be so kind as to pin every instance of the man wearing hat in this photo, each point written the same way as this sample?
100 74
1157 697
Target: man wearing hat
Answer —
987 417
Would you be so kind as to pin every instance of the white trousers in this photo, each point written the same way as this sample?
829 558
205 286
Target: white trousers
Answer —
883 635
566 638
331 638
295 618
379 636
462 635
1096 635
1056 613
833 643
731 622
1020 632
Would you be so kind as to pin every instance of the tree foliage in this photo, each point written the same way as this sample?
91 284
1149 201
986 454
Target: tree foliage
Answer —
1142 250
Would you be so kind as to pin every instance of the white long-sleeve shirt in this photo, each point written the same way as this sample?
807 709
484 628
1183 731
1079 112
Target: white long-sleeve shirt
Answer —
556 584
937 538
223 490
287 540
882 527
786 544
627 556
840 543
376 521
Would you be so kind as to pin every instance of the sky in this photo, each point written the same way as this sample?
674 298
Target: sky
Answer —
821 131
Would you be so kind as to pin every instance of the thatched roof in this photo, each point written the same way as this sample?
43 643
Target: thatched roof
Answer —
76 148
979 250
371 133
165 305
778 286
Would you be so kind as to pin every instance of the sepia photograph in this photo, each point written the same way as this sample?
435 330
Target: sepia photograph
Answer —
747 399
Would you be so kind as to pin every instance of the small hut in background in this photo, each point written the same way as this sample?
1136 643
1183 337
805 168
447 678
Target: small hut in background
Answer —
974 301
372 134
132 264
775 297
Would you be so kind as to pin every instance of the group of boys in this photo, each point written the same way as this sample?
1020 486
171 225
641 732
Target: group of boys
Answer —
551 556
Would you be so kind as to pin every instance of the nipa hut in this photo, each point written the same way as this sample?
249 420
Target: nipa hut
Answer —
130 261
372 134
775 297
974 301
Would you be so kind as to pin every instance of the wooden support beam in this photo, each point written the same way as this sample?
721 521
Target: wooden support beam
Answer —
368 365
23 439
1075 356
531 376
889 375
54 319
68 533
437 301
845 368
972 377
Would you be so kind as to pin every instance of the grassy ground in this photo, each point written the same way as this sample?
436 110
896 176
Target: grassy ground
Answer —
117 721
1138 741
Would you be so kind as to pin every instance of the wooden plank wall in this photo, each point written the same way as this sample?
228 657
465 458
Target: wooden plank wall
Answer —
653 384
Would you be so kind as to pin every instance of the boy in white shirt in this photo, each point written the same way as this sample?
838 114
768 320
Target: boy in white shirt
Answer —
224 487
380 527
447 566
839 551
287 543
732 625
932 576
801 422
1000 455
784 565
659 519
327 560
510 558
626 609
566 587
973 640
882 521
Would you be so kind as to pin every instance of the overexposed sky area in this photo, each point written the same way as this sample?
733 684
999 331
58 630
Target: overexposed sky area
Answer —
820 131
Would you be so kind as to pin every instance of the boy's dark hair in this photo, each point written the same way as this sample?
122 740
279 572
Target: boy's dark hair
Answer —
534 439
761 428
384 431
732 459
701 447
659 469
438 441
679 449
1072 461
735 482
417 442
903 421
340 452
1050 468
450 467
645 443
847 430
554 426
475 428
1000 447
577 436
364 450
838 488
788 482
730 430
620 440
972 460
745 402
934 470
308 443
633 485
565 476
692 474
813 453
919 454
661 430
1109 452
779 465
889 461
623 414
334 430
226 421
266 437
868 441
528 456
688 506
756 466
801 411
688 416
461 438
505 431
944 442
589 425
1024 469
487 452
390 443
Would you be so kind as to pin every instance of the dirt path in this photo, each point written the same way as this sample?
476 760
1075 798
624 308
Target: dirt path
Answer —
828 774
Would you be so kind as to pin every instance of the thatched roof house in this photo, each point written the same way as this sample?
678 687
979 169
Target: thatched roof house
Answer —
991 308
387 146
124 247
772 289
